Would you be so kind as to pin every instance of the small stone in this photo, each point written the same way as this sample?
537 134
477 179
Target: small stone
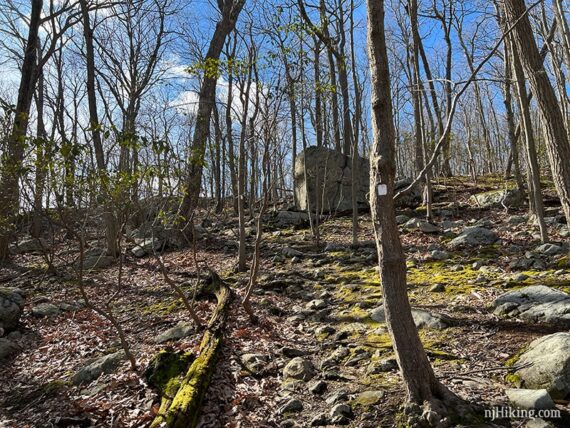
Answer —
401 219
437 288
105 364
291 406
337 396
481 279
549 249
254 363
369 398
439 255
300 369
316 304
45 310
179 331
383 366
426 227
318 387
538 423
7 348
530 398
343 410
320 420
325 330
520 277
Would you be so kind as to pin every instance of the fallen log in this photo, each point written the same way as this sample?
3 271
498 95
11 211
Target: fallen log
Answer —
182 409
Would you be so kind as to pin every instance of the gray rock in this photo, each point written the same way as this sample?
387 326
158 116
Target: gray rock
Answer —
538 423
107 364
290 218
46 310
402 219
11 307
439 255
437 288
369 398
152 233
337 396
498 198
7 348
179 331
146 246
299 368
422 319
320 420
31 245
96 258
334 170
318 387
474 236
517 219
536 303
546 365
291 406
549 249
413 198
342 409
254 363
426 227
316 304
291 252
530 398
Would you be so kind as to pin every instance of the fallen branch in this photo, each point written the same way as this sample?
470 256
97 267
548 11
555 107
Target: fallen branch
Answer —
183 409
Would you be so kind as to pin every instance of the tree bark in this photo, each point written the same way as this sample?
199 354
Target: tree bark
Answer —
230 12
111 226
556 138
12 158
419 379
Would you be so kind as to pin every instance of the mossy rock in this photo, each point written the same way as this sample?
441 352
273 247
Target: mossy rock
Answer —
166 370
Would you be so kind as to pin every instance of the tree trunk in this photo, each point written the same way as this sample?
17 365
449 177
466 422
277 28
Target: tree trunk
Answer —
418 376
111 226
537 205
12 158
558 147
206 98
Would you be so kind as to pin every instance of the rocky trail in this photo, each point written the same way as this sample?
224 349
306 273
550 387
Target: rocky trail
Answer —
491 302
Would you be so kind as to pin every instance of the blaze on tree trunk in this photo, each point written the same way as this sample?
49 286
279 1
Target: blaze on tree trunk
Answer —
230 10
558 147
418 376
11 162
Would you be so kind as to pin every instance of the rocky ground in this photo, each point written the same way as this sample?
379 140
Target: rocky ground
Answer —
321 354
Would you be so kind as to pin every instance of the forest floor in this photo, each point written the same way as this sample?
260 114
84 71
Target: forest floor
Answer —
313 303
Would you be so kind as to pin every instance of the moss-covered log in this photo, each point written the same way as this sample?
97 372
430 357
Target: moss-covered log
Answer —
183 408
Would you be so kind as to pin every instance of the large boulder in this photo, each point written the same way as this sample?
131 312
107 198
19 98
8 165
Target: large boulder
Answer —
546 365
511 198
334 171
11 306
411 199
290 219
474 236
31 245
537 303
